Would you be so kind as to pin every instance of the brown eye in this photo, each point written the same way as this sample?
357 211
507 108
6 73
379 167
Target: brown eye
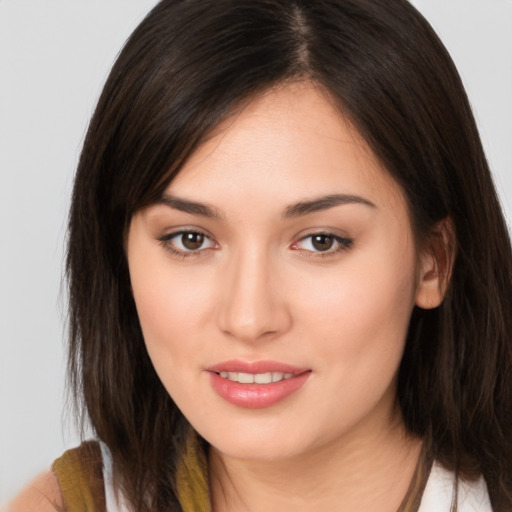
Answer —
192 241
322 242
186 243
327 243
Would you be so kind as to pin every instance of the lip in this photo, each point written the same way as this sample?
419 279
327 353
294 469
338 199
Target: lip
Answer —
256 396
237 365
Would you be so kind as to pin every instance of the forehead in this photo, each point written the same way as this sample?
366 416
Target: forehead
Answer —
290 142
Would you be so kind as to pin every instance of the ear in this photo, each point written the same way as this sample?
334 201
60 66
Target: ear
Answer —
436 263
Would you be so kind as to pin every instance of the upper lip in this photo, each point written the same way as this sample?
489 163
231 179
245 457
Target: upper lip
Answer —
255 367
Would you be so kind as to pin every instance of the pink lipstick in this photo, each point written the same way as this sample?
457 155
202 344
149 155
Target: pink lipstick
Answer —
258 384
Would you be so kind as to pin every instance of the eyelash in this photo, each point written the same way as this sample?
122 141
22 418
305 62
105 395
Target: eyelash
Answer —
167 243
341 244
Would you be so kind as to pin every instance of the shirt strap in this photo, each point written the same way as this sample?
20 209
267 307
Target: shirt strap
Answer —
192 477
79 473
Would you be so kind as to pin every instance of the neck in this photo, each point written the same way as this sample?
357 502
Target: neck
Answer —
361 472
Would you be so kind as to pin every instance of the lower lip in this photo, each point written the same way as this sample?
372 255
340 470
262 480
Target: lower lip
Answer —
256 396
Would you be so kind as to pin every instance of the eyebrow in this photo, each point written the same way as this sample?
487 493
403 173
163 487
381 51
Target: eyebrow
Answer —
187 206
324 203
294 210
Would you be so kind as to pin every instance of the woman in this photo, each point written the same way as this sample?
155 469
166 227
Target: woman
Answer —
289 274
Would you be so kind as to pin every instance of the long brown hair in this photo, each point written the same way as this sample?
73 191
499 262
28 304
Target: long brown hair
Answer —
183 70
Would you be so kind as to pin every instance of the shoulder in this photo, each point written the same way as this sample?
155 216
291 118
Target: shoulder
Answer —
41 495
75 482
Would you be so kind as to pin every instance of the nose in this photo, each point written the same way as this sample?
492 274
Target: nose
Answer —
252 305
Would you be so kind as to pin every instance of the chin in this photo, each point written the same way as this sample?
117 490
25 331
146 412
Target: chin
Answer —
257 452
265 444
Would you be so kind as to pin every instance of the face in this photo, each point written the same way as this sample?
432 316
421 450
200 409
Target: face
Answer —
275 280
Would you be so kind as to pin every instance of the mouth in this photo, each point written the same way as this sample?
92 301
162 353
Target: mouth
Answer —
256 385
256 378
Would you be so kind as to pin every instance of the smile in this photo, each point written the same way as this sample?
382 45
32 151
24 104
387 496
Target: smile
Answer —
256 378
256 385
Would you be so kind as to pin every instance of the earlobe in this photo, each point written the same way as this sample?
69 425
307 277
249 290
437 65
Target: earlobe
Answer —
436 264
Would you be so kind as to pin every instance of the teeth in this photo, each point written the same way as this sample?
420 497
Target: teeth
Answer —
263 378
255 378
246 378
277 376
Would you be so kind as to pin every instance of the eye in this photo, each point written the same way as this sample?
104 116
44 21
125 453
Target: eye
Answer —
323 243
186 242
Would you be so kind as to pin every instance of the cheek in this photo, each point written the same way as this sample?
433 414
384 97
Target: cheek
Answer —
171 309
357 324
175 311
165 305
361 313
171 305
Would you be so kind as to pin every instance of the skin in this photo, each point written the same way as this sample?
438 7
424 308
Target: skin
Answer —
256 288
40 495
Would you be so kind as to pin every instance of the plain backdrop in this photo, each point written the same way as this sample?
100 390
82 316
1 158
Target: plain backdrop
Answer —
54 57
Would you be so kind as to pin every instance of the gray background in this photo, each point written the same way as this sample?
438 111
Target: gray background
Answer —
54 57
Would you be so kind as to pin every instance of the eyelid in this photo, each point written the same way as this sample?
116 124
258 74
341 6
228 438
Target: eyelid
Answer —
167 242
341 243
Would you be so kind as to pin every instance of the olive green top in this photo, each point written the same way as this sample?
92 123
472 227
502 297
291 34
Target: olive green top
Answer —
80 476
